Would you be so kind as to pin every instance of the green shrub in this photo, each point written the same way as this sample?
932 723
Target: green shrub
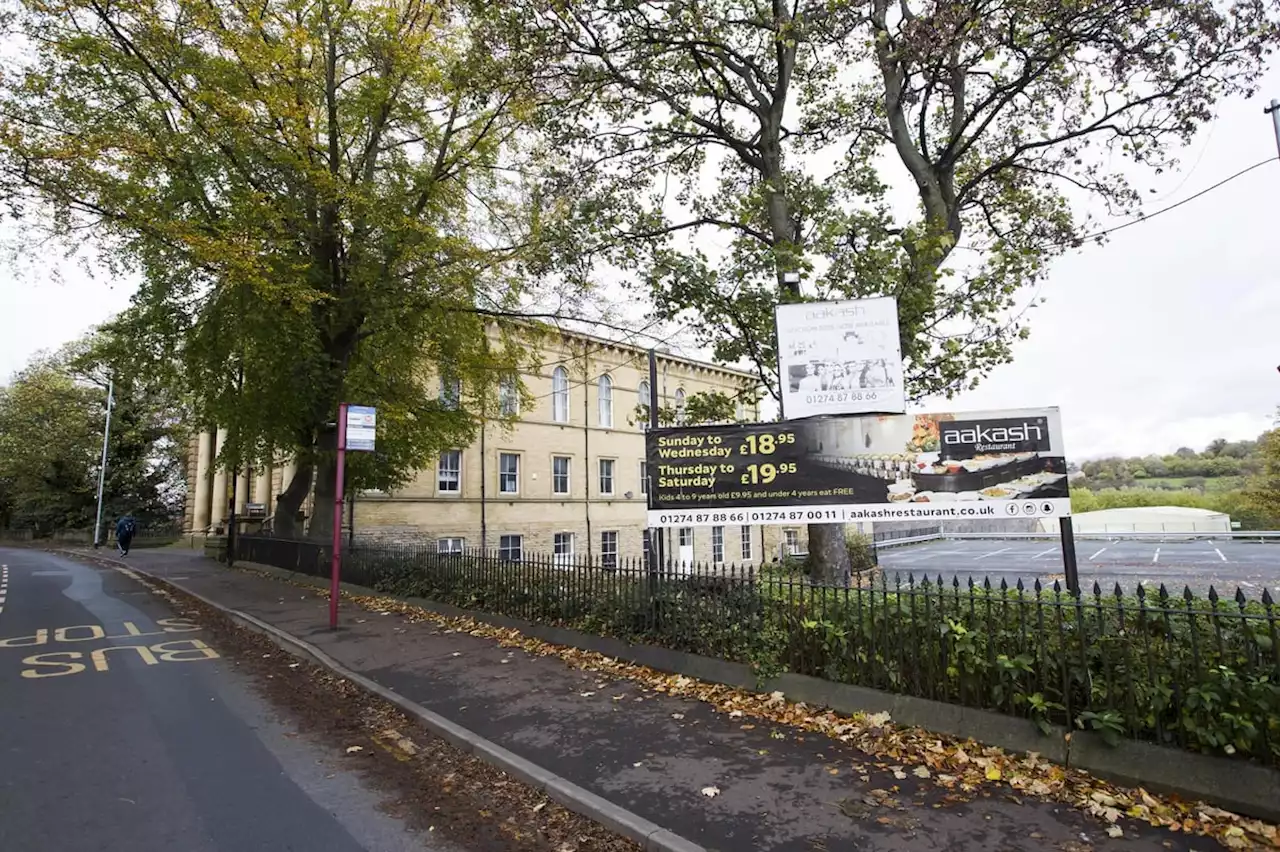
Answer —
1203 674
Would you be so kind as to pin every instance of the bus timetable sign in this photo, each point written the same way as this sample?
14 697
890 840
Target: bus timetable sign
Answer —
362 428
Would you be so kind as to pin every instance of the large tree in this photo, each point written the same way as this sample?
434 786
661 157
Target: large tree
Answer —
1262 492
52 416
50 444
778 128
324 200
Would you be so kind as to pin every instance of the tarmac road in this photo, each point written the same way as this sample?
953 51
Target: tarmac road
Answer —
121 729
1226 565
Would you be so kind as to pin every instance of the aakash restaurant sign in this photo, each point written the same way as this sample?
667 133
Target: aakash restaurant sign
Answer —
964 439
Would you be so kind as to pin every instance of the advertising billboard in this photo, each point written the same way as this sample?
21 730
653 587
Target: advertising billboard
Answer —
840 358
950 465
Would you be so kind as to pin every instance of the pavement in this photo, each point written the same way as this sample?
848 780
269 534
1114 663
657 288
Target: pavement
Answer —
121 728
1226 565
780 790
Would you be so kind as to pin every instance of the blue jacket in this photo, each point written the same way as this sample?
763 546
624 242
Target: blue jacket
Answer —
125 527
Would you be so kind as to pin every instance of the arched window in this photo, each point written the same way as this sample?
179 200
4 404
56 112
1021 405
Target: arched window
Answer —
604 386
680 406
642 409
560 395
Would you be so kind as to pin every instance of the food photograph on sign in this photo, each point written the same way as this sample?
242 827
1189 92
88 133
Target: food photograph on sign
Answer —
840 357
939 458
984 463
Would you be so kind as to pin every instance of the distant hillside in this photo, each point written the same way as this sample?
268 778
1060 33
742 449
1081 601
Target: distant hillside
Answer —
1221 466
1215 478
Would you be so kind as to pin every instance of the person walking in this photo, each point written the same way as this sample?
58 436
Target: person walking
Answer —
125 528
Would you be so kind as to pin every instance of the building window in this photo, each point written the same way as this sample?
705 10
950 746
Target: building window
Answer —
562 546
746 544
606 476
644 477
680 406
609 549
791 538
449 472
742 410
560 395
451 545
509 396
508 473
604 398
450 392
511 548
717 545
642 407
559 474
685 535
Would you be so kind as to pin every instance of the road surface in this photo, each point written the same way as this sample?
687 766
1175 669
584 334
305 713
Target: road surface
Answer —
121 729
1223 564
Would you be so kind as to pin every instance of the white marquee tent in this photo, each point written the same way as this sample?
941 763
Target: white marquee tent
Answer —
1149 519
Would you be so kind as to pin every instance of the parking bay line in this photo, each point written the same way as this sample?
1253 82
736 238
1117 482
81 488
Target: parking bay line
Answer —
993 553
1220 556
1096 555
1156 557
1045 552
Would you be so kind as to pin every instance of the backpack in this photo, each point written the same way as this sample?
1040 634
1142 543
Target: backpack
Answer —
130 526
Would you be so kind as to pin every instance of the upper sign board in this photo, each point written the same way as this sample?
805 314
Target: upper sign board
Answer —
840 358
362 428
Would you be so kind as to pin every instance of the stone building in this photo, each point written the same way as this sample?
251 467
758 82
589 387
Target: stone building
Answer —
566 480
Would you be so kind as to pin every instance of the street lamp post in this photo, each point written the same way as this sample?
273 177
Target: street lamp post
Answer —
102 468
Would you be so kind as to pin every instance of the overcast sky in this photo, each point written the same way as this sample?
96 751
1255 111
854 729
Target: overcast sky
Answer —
1166 336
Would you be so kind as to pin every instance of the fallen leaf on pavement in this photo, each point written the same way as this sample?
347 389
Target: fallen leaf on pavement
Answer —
711 792
972 766
354 749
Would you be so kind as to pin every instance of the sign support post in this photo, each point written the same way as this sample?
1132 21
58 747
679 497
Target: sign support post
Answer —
655 534
339 490
357 433
1070 568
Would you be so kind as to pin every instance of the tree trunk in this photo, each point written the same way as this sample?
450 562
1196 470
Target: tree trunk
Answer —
829 562
291 500
321 526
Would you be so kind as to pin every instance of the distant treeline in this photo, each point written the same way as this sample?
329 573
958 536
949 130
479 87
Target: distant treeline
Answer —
1220 459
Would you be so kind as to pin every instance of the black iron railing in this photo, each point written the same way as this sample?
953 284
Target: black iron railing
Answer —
1198 672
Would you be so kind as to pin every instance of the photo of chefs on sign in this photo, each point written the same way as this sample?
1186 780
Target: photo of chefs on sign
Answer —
978 464
840 357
